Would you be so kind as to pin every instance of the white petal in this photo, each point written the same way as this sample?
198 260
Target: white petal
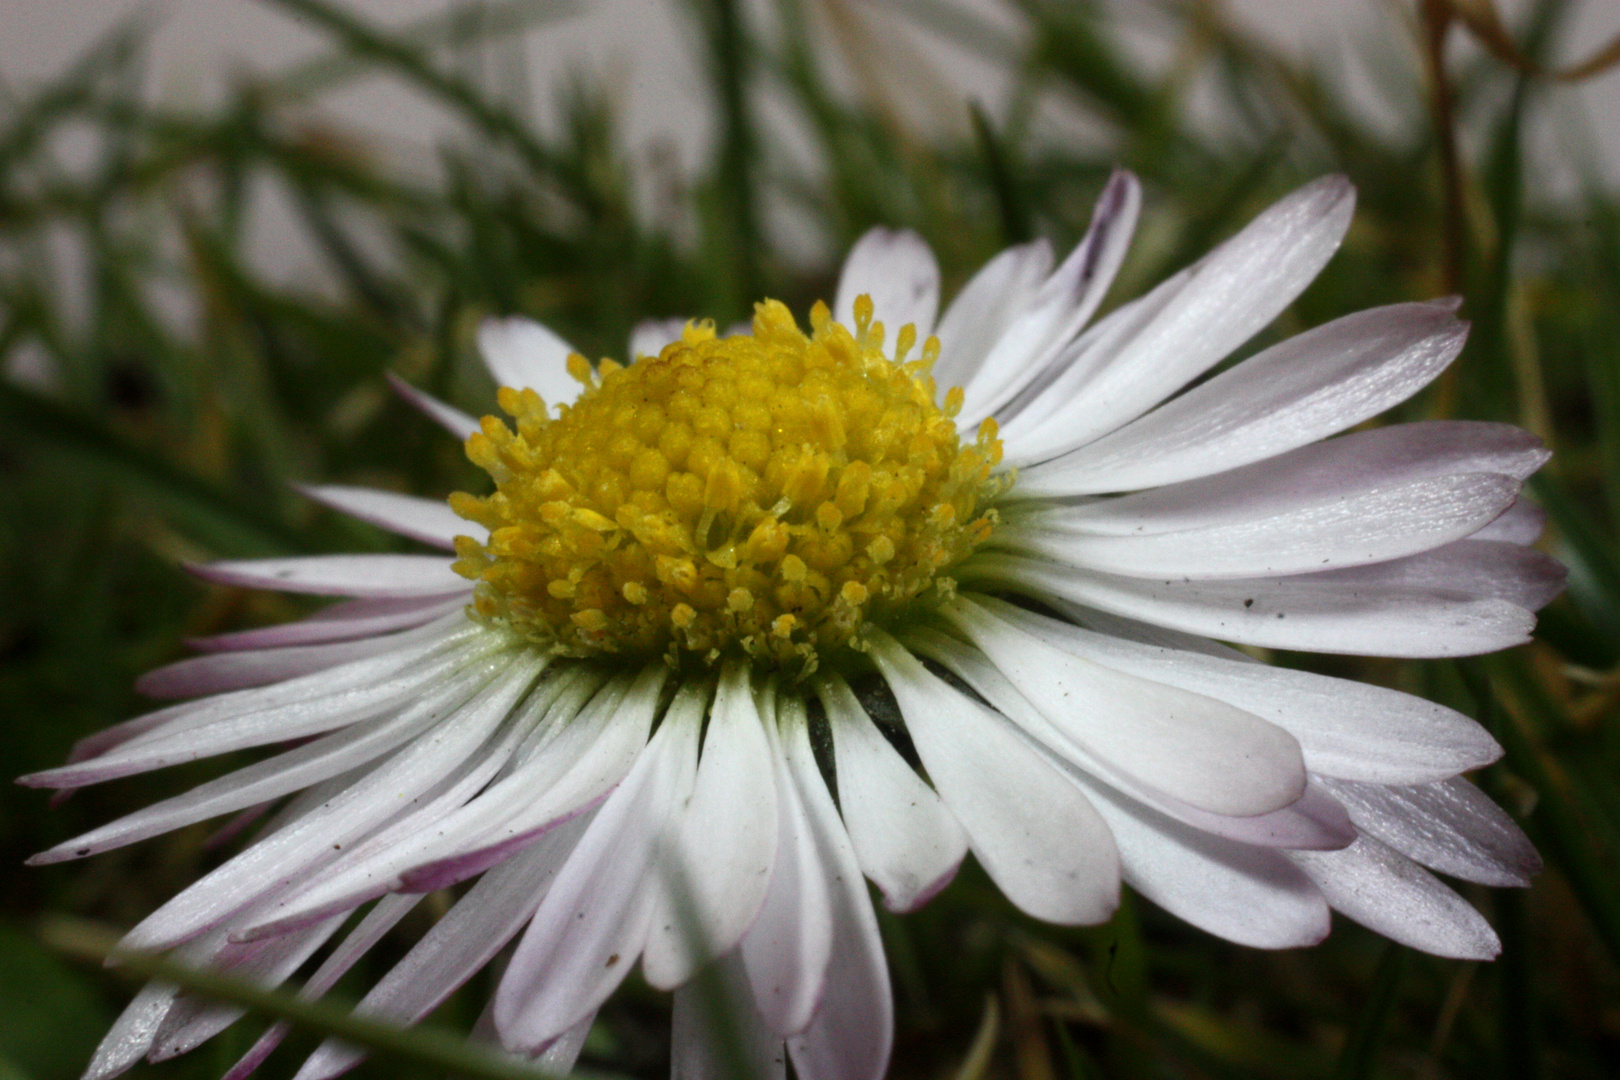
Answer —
591 752
559 1058
1036 834
434 682
1482 569
386 792
986 306
257 783
132 1033
1342 467
448 417
1345 729
719 866
362 674
1315 820
853 1030
221 672
342 621
1520 523
428 520
896 268
717 1032
1306 388
1199 318
458 945
1250 895
786 950
315 898
1304 535
340 575
1193 747
1450 826
1026 356
194 1020
1385 891
522 354
907 841
593 923
1116 626
648 338
1310 612
533 787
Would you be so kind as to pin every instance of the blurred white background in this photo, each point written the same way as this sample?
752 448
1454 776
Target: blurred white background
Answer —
645 53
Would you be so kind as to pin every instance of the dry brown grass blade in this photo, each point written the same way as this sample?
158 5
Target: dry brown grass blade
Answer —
1485 23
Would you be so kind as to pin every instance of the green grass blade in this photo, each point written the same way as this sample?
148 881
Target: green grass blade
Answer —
1359 1061
420 1046
226 522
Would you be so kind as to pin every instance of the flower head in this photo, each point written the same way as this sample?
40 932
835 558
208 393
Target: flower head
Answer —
764 495
1017 533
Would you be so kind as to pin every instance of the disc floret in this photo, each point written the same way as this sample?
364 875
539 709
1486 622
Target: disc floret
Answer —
764 494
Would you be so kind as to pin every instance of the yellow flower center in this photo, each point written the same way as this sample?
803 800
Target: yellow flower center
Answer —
764 494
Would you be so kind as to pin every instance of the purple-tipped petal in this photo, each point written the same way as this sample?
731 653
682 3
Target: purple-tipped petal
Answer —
429 520
343 621
853 1031
1192 322
448 417
1029 354
1034 833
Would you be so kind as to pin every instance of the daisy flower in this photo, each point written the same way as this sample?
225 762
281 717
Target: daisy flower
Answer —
992 566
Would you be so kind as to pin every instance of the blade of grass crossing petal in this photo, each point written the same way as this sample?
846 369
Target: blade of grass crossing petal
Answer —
423 1047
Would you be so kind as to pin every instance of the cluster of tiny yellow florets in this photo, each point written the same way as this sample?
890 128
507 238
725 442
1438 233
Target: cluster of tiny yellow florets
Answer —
764 494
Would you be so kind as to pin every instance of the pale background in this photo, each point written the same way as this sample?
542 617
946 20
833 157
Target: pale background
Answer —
645 52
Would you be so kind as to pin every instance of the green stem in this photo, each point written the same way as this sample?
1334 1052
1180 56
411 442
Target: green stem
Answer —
1360 1058
421 1046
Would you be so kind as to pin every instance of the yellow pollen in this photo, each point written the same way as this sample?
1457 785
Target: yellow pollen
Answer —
766 494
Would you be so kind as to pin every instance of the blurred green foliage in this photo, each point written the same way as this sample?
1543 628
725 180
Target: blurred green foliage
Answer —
178 388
